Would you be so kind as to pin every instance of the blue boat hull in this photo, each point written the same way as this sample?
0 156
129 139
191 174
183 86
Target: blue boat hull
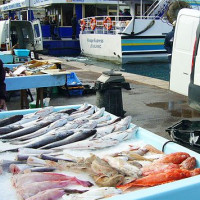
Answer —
61 47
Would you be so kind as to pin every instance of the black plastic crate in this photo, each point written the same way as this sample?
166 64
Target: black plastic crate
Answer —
186 133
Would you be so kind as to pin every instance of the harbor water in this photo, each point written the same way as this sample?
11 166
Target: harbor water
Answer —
157 70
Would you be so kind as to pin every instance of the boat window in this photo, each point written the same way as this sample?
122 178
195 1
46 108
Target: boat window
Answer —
90 10
101 10
36 30
67 13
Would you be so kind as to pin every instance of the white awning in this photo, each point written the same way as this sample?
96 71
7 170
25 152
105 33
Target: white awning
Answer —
48 2
16 4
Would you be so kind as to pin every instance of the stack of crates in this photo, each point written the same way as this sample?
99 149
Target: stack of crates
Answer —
74 85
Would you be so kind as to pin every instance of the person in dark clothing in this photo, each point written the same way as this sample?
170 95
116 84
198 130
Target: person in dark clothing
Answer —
2 88
46 21
74 25
168 44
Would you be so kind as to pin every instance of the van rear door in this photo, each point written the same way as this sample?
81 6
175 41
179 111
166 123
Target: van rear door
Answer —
194 86
184 38
38 42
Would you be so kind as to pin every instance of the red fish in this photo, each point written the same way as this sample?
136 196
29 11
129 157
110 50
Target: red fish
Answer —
161 178
176 158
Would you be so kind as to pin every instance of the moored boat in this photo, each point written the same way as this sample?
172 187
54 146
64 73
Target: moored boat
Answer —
137 37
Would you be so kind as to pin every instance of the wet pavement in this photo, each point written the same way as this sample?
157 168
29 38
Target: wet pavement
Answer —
150 103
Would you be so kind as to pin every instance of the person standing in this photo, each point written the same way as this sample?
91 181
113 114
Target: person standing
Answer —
74 25
168 44
2 88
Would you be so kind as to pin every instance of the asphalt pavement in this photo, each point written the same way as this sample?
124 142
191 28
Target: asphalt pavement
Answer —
150 102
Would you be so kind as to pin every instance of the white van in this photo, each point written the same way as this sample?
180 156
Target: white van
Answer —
27 34
185 65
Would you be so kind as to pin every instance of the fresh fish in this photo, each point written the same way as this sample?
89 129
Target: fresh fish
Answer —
82 108
109 122
20 157
158 168
114 127
47 139
77 136
31 129
40 169
23 179
97 114
176 158
18 168
161 178
5 165
103 119
101 167
67 111
123 166
53 158
10 120
108 181
34 116
51 117
89 125
106 141
58 123
8 129
134 156
123 124
95 194
25 131
90 111
105 130
32 189
54 194
35 161
79 122
34 151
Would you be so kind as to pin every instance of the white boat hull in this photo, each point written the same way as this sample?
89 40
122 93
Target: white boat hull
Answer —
101 46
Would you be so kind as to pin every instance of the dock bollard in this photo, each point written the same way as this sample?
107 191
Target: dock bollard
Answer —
109 92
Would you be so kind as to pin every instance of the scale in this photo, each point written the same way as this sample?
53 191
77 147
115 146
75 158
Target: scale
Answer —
21 59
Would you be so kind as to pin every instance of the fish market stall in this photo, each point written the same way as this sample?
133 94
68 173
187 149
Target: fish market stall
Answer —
34 74
103 157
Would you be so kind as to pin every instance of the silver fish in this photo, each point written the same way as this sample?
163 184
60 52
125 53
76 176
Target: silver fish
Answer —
58 123
90 111
97 114
77 136
47 139
106 141
10 120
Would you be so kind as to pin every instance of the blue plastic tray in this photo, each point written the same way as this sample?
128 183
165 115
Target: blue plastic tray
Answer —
22 52
184 189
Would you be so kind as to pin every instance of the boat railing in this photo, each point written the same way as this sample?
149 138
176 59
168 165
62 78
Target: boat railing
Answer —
104 24
110 24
